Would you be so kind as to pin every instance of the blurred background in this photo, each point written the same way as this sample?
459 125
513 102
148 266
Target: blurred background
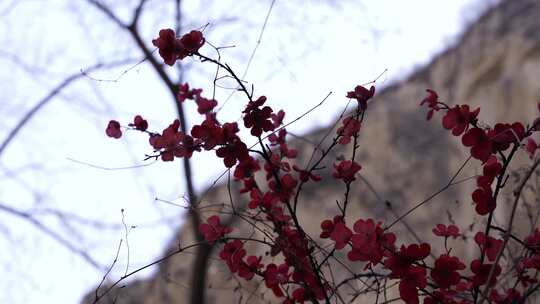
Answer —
69 194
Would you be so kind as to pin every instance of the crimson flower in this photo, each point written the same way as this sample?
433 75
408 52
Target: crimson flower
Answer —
277 119
328 226
351 127
444 231
370 243
249 184
233 152
306 175
185 93
205 105
341 234
481 145
139 123
113 129
400 262
247 270
509 297
246 168
233 253
362 95
502 135
191 43
432 102
532 262
277 215
491 169
458 119
258 119
172 48
531 147
169 47
213 230
274 276
174 143
533 240
346 170
445 273
408 291
299 295
484 200
210 135
287 185
268 200
488 245
481 273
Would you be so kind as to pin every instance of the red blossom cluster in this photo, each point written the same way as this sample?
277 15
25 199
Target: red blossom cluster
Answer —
172 48
294 265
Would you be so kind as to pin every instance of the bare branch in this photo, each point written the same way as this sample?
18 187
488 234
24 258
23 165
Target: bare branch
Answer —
50 96
54 235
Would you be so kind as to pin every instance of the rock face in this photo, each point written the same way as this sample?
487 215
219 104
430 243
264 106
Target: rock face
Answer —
405 159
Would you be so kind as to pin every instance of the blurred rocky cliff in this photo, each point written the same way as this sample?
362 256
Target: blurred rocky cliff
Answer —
405 159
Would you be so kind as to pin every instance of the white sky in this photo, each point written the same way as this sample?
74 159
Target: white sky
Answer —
308 49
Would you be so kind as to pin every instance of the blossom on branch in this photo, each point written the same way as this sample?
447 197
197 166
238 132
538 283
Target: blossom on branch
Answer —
113 129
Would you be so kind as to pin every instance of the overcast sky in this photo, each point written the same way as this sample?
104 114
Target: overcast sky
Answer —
308 49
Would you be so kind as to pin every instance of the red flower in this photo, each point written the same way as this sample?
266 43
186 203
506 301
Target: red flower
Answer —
277 215
362 95
276 275
113 129
139 123
346 170
458 119
445 273
510 297
233 152
279 139
450 231
480 143
233 253
185 93
483 198
305 175
533 240
341 235
491 169
169 47
481 273
268 200
488 245
213 230
415 277
370 243
174 143
503 135
246 168
299 295
191 43
328 226
432 102
350 128
285 188
205 105
531 147
258 119
400 262
210 135
277 119
249 184
247 270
